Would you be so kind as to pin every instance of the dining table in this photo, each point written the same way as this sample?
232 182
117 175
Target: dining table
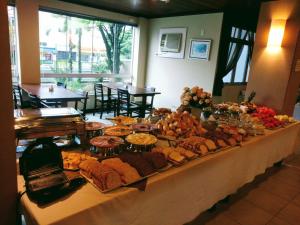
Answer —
134 92
52 93
174 196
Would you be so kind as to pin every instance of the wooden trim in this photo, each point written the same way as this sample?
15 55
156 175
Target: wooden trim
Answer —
83 75
8 172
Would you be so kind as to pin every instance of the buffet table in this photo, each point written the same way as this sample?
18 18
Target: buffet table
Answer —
175 196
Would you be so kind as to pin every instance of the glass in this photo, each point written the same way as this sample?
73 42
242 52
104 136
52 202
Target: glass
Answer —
241 65
71 45
13 44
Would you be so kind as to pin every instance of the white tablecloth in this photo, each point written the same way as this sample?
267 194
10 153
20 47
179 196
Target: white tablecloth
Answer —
173 197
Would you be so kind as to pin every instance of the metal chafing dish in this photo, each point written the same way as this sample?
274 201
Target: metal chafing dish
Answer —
48 122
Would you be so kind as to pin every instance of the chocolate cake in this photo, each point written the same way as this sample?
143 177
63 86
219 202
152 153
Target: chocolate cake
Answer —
156 159
136 160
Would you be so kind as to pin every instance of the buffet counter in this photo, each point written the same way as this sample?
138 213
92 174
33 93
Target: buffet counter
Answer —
175 196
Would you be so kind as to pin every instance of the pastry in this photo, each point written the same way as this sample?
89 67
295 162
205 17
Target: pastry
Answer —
176 157
106 141
103 176
186 153
156 159
136 160
161 111
128 173
210 145
232 141
221 143
141 139
118 130
71 160
124 120
180 124
203 149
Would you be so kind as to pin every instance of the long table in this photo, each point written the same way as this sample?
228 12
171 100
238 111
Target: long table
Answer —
175 196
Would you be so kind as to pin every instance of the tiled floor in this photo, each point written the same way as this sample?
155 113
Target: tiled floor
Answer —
271 199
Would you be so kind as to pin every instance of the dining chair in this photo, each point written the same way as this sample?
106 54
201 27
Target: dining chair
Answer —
15 99
82 102
18 98
149 101
37 103
125 106
103 102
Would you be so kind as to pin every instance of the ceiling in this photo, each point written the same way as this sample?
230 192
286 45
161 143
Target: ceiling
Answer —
159 8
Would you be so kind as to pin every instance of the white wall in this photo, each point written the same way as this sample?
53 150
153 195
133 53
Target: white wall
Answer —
169 75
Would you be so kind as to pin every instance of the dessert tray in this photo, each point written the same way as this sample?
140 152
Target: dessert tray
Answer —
99 189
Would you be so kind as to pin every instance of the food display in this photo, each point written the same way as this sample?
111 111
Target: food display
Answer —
161 111
144 127
106 141
180 124
128 173
171 154
252 125
157 160
141 139
92 126
166 139
199 145
285 118
267 117
118 130
72 160
137 161
124 120
102 176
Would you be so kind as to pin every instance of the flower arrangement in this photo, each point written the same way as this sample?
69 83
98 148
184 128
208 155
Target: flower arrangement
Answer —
196 97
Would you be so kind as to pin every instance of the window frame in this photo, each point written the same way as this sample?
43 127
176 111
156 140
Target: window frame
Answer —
246 68
87 74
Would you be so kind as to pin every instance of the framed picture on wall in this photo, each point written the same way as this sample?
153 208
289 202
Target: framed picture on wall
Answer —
172 42
200 49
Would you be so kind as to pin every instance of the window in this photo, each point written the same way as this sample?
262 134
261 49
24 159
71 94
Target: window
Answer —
80 51
13 44
241 43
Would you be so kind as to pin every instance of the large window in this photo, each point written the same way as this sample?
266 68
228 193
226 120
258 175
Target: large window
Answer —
79 51
13 44
239 55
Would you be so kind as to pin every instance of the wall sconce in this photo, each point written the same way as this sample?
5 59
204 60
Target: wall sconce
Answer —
276 34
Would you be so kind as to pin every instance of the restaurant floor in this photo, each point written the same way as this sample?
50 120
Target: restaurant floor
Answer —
271 199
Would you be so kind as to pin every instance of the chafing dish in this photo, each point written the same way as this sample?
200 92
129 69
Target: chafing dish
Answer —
48 122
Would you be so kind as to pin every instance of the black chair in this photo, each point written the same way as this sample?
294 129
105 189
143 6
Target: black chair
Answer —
37 103
149 101
18 98
15 99
124 104
83 102
103 101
